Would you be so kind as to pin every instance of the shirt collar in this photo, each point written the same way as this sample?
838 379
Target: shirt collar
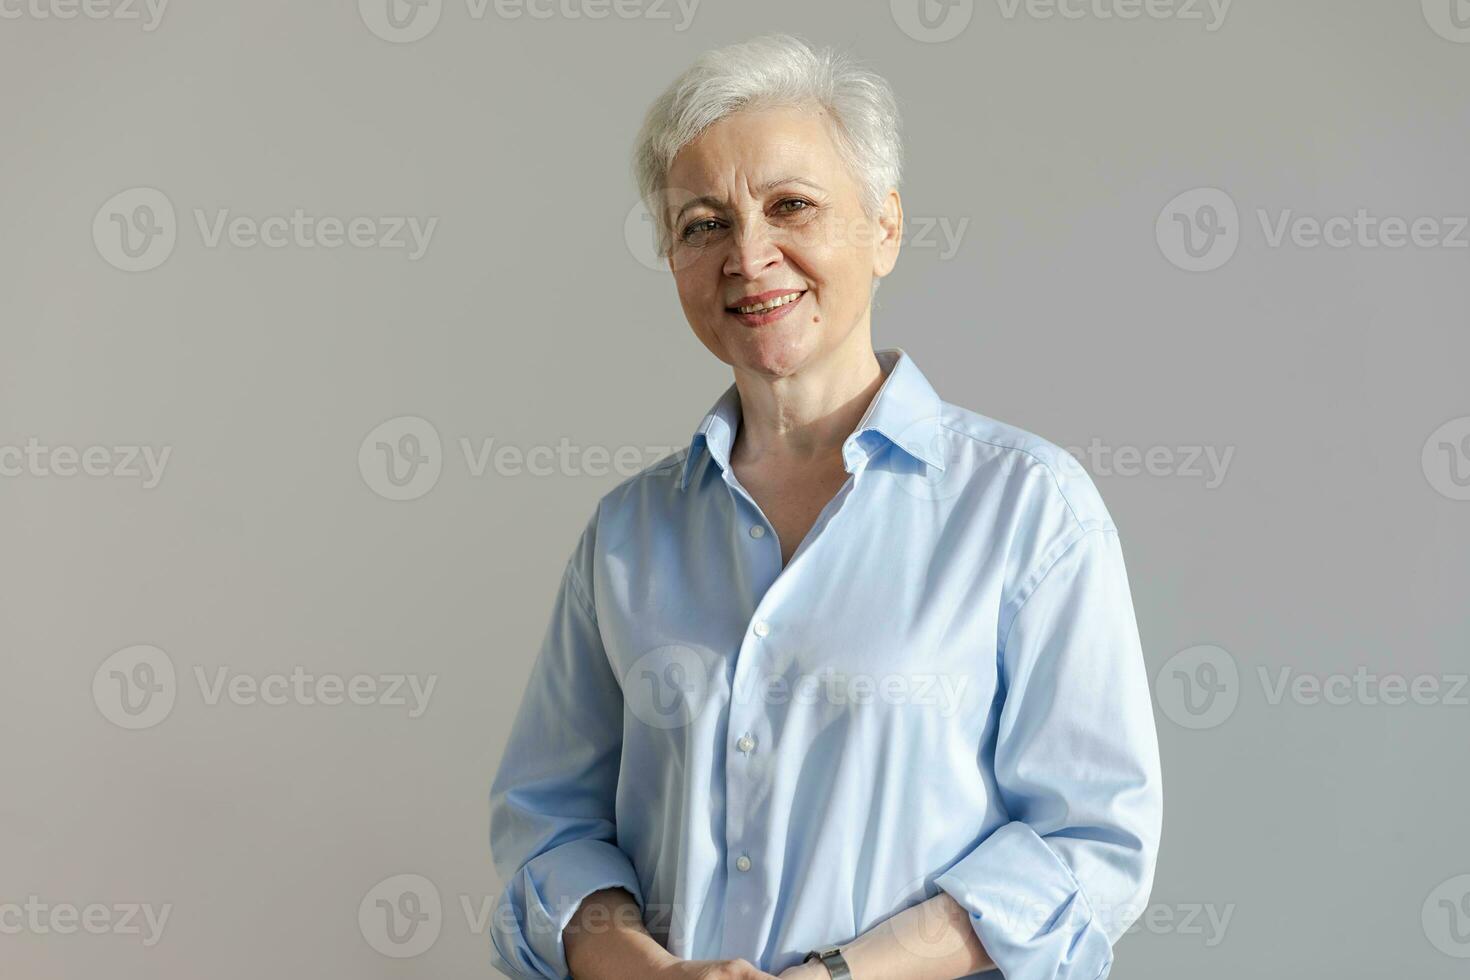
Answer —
905 412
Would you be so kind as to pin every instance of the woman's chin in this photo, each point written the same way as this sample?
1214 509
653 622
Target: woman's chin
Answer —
775 350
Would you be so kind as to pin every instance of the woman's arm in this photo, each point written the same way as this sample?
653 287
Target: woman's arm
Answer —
553 831
1077 767
929 941
607 938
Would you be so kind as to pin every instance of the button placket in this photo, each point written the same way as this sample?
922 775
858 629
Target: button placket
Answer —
737 779
742 769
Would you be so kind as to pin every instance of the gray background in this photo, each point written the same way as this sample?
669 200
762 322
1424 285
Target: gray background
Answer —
1331 835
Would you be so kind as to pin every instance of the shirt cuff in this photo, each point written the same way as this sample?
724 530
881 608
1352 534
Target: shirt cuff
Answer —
543 896
1028 909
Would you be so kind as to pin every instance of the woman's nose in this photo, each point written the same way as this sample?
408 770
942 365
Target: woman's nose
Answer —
752 251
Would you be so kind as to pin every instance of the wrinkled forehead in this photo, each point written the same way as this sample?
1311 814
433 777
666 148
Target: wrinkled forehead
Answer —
748 153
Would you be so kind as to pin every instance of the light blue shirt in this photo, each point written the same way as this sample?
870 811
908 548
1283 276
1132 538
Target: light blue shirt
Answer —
942 690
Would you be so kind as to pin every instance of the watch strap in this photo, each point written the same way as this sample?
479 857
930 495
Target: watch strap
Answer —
831 958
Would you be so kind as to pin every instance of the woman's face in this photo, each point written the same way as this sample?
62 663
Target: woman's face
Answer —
761 203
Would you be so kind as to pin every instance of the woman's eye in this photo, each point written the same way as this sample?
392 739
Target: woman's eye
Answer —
794 200
702 227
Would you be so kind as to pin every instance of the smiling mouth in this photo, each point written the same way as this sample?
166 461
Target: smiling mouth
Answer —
769 305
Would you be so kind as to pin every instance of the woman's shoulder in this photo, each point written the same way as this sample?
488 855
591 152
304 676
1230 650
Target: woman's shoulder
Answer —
1034 470
658 480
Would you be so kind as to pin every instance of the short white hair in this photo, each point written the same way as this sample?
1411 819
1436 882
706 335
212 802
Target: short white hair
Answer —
773 70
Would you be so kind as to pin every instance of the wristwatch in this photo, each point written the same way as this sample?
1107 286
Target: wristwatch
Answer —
831 958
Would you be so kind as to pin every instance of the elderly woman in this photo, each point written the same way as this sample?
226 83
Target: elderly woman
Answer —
851 687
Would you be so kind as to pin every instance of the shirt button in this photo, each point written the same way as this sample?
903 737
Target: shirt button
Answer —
743 863
762 628
756 531
745 744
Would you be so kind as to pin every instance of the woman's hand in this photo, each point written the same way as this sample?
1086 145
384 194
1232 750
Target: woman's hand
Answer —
712 970
806 971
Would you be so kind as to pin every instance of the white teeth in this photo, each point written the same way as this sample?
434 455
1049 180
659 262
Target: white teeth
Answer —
770 304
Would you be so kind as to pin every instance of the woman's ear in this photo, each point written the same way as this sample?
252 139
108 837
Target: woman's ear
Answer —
890 236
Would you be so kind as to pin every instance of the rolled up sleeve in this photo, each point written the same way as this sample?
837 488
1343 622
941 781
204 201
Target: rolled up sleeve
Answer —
552 829
1077 768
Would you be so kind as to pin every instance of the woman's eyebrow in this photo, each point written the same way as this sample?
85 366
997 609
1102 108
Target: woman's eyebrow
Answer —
772 184
715 202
